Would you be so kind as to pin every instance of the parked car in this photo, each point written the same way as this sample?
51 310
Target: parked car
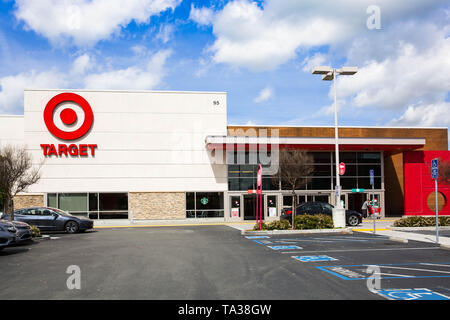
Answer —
8 234
353 218
24 232
52 219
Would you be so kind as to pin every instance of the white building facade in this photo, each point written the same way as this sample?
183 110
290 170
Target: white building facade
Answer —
172 155
137 156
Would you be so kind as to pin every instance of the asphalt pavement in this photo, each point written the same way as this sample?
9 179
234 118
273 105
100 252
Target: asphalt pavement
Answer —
217 262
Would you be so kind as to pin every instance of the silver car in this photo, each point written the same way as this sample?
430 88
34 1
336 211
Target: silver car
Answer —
8 234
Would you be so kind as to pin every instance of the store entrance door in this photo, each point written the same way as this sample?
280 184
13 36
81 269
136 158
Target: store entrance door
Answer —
355 201
250 207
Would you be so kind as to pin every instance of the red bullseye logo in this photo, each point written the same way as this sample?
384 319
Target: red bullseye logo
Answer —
68 116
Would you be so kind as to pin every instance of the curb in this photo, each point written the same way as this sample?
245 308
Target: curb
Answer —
418 228
397 239
310 231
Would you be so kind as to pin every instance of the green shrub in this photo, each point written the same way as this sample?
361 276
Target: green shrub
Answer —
320 221
422 222
35 232
273 225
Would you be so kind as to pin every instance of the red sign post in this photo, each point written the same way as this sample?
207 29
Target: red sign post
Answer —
259 196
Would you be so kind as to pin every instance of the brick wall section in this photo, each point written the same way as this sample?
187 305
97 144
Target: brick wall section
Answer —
26 200
157 205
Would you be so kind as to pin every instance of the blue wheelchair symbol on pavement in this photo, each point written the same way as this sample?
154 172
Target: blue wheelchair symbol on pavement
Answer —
313 258
285 247
411 294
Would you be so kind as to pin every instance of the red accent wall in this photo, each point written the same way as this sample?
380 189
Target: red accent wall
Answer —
418 183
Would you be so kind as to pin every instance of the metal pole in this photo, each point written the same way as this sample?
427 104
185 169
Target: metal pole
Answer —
437 210
373 214
336 142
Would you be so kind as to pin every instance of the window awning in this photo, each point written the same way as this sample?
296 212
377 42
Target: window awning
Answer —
308 143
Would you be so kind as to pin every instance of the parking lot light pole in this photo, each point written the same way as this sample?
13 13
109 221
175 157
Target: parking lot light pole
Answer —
329 74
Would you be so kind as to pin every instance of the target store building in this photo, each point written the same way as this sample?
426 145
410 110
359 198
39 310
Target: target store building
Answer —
172 155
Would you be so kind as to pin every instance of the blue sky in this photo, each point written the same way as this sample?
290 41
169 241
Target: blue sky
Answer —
259 52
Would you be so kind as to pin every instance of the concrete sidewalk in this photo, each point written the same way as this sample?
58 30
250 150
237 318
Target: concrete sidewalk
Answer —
124 223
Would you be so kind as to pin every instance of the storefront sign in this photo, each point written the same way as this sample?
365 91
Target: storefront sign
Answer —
82 150
68 120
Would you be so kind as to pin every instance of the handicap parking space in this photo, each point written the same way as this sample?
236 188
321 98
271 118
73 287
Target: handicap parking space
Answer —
407 271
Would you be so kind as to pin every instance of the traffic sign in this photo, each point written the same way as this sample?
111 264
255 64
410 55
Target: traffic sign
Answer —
371 177
434 168
341 168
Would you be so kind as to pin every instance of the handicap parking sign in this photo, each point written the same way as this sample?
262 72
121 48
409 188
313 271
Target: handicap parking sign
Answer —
313 258
411 294
285 247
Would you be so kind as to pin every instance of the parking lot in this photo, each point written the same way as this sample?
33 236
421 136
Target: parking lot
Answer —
217 262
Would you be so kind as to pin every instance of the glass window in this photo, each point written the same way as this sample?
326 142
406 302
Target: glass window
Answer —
46 212
51 200
207 205
32 212
349 183
190 201
113 205
209 200
320 184
321 198
235 206
72 202
369 157
346 157
270 184
364 170
364 182
93 201
321 157
287 200
323 170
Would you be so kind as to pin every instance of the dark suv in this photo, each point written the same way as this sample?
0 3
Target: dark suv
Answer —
353 218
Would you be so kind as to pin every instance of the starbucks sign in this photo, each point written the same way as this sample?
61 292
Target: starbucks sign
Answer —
204 200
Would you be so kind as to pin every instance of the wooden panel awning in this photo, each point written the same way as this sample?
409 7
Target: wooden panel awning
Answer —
325 144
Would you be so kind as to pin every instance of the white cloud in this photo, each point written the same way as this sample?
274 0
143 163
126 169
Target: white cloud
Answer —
165 33
81 64
134 77
82 75
202 16
402 79
318 59
12 87
86 21
425 115
262 37
264 95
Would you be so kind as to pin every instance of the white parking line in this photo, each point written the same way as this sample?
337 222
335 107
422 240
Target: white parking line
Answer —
364 250
415 269
435 264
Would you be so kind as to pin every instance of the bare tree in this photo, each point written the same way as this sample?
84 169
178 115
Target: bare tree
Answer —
295 168
16 174
444 172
